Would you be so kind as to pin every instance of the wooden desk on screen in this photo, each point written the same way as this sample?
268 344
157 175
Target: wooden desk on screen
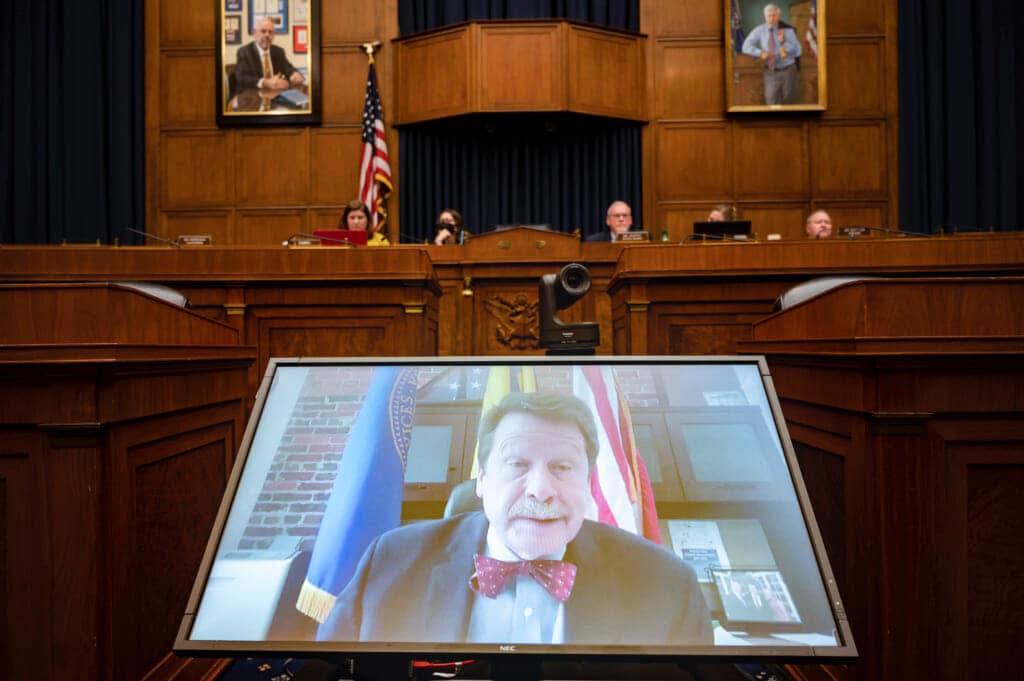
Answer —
120 417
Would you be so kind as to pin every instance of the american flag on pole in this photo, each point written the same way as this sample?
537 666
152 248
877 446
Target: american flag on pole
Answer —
375 168
812 29
619 482
736 26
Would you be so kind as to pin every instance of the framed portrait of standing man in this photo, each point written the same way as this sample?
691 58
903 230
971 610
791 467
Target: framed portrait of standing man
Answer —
268 62
775 55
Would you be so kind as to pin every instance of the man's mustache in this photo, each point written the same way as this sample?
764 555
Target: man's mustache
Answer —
537 510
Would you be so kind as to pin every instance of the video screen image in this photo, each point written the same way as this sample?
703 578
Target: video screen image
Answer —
620 505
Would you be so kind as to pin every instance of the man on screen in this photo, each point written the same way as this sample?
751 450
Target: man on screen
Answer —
530 568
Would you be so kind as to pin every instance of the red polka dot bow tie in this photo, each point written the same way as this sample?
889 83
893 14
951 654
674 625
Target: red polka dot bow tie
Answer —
555 576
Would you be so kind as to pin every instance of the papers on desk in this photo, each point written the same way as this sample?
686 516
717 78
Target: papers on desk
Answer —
293 99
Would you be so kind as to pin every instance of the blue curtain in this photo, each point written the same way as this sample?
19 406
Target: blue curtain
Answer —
562 171
71 122
961 107
422 15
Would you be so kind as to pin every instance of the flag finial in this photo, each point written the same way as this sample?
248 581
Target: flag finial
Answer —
370 49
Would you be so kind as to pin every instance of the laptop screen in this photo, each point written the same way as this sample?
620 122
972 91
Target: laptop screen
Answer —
722 228
341 237
660 496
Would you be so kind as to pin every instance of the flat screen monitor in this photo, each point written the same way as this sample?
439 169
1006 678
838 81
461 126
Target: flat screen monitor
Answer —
626 508
341 237
722 228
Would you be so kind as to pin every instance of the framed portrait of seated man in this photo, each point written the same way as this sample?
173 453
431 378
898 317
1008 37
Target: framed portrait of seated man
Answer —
775 55
268 62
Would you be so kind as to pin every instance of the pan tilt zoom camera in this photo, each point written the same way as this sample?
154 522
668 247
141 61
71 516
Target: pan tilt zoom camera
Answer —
557 292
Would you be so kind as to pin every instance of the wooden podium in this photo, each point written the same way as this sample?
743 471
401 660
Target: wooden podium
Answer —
120 416
904 399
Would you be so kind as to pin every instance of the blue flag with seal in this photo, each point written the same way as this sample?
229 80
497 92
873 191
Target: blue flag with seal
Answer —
366 499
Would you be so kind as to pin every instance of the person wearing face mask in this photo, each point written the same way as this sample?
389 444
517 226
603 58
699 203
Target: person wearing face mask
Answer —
448 229
529 567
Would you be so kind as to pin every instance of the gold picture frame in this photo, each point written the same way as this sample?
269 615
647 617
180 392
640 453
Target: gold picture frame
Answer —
782 69
291 94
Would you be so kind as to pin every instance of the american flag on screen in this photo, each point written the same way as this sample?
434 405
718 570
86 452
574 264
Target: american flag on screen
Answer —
619 482
375 168
812 29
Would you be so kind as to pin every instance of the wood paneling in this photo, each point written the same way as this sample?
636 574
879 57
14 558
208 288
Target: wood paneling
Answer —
168 525
273 167
834 176
24 586
684 18
439 76
88 372
193 165
687 79
344 68
335 172
190 23
770 160
269 227
538 81
694 161
605 71
867 17
216 223
860 91
197 169
694 298
776 176
931 439
559 66
187 92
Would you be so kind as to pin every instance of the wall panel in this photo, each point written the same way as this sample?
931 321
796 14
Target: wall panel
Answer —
273 168
688 79
335 156
269 226
185 23
344 85
857 18
848 160
770 160
693 161
216 223
535 81
859 91
187 93
197 169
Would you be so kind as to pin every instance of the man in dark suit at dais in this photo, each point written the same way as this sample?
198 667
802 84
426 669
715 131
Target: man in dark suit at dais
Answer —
529 568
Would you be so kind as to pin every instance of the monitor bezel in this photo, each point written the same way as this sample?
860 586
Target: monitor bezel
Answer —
378 651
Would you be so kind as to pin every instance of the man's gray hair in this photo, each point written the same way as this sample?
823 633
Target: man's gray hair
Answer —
770 7
552 406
